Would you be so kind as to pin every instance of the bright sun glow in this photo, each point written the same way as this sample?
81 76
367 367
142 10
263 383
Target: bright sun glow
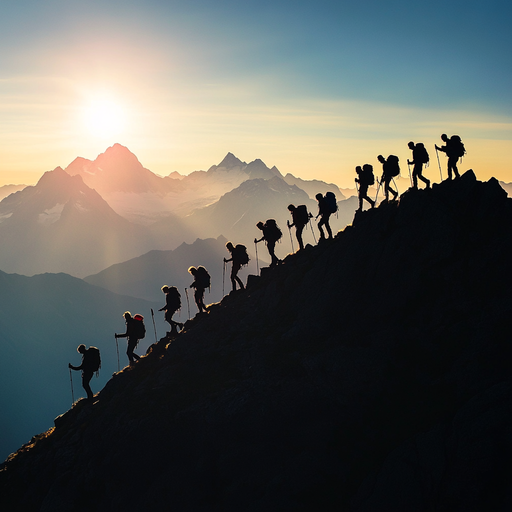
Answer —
105 118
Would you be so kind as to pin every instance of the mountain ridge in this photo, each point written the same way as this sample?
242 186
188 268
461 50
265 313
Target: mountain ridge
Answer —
367 373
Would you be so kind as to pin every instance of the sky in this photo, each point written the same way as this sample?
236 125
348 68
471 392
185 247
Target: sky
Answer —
314 88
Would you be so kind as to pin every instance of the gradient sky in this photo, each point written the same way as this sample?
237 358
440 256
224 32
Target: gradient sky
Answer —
314 88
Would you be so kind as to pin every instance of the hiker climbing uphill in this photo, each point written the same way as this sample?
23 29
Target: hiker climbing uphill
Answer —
202 281
324 212
419 157
91 362
135 331
300 217
454 149
365 178
172 304
271 234
390 169
239 257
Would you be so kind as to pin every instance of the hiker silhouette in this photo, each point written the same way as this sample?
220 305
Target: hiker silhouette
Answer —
419 157
324 213
365 178
90 363
300 217
454 149
201 282
135 331
271 234
238 258
172 304
388 173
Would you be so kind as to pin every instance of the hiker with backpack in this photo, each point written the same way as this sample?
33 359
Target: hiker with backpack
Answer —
172 304
390 169
365 178
419 157
91 362
135 331
300 217
324 212
454 149
239 257
271 235
202 281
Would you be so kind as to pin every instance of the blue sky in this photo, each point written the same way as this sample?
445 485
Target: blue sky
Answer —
308 87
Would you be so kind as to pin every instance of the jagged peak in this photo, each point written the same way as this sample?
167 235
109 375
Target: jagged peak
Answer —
230 160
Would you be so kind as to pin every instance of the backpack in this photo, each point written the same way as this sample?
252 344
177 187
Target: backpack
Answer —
301 216
203 278
271 231
330 200
367 176
420 154
240 254
93 359
138 327
456 147
391 167
173 299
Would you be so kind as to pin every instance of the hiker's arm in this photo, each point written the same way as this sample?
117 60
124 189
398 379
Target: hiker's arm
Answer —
257 241
227 261
75 367
163 309
122 335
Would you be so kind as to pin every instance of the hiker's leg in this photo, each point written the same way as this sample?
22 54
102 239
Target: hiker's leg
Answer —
327 225
298 234
454 165
233 277
320 224
415 175
271 246
86 379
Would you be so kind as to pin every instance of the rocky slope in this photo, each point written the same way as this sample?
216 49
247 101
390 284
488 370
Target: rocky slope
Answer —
369 373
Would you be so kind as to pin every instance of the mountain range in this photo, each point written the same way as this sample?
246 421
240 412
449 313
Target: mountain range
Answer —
95 214
372 372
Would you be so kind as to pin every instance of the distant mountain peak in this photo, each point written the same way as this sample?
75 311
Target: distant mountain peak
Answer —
230 160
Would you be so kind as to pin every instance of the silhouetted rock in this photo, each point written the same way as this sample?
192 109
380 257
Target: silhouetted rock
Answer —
369 373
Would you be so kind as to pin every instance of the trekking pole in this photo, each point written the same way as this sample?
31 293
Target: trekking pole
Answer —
257 263
291 239
154 326
312 231
409 165
117 347
72 392
188 303
223 274
439 163
378 188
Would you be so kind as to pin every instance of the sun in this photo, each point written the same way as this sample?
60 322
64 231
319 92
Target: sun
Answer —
104 118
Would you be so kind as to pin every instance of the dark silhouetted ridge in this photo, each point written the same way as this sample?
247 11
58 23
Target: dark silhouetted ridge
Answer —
367 373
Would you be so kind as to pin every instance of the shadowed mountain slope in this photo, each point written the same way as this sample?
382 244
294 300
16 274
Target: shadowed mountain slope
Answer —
369 373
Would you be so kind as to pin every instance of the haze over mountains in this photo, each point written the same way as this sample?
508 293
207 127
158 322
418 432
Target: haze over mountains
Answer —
95 214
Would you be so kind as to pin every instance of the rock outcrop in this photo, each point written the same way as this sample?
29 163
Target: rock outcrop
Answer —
367 373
